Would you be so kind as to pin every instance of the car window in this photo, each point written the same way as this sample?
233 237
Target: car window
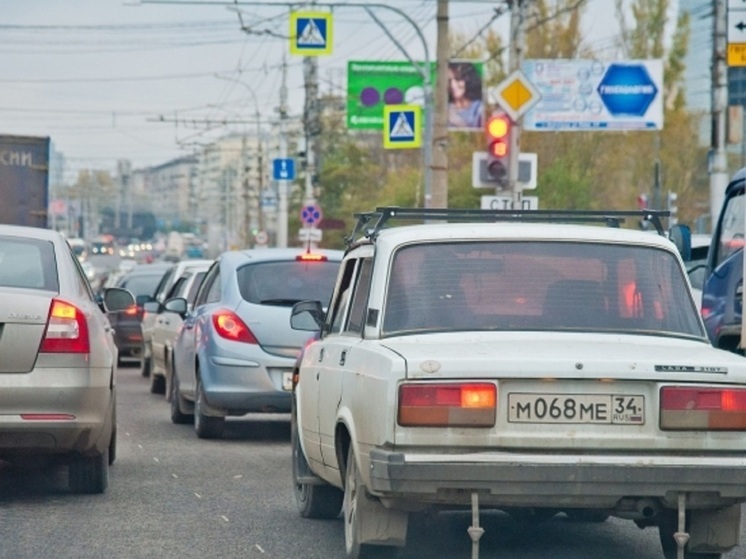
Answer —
141 284
212 294
287 282
359 305
342 302
28 263
206 284
194 288
731 229
538 286
177 287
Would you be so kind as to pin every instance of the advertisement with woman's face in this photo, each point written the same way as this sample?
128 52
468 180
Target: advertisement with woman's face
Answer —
465 106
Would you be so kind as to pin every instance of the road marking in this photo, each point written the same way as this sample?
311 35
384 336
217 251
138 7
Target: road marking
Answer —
259 547
224 518
174 475
156 458
198 495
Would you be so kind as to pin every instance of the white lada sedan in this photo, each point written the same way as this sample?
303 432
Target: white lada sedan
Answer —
519 362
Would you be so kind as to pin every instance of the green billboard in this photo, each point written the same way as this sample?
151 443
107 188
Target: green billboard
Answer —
371 85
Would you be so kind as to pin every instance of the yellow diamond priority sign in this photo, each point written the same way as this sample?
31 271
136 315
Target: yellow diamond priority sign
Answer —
516 95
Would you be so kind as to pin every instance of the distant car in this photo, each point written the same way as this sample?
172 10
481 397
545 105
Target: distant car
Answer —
141 281
155 306
236 350
57 359
168 325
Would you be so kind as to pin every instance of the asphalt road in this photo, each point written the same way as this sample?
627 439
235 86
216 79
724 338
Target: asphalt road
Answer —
172 495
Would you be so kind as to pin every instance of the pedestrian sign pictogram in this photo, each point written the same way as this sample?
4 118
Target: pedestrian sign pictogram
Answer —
310 33
402 127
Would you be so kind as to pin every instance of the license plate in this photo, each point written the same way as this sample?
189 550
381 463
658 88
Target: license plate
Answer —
287 381
576 408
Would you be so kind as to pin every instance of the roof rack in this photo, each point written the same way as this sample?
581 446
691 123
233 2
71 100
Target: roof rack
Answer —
380 216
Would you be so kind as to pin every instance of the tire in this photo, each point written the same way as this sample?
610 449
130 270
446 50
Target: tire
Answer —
668 524
89 474
145 366
594 516
177 416
113 446
206 426
314 501
354 492
157 384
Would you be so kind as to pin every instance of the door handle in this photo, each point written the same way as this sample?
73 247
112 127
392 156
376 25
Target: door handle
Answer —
343 357
321 355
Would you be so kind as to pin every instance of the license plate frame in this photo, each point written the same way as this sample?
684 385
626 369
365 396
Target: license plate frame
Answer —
583 409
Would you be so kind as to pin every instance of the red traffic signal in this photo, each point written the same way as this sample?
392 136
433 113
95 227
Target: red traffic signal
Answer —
498 130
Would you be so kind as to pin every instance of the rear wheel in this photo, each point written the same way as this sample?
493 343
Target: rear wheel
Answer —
157 384
206 426
145 366
89 474
314 501
668 524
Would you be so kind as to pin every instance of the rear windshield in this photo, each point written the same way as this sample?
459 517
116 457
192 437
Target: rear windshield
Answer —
539 286
285 283
28 263
142 284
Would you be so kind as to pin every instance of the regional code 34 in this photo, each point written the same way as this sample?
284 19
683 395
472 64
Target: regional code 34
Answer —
576 408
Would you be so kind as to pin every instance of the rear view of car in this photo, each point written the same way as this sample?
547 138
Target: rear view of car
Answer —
236 351
57 359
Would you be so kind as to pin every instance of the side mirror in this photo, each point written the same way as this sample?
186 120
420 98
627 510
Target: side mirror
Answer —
307 315
177 305
681 236
116 299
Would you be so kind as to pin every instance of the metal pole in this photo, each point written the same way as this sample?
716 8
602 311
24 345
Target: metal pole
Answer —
439 149
282 185
719 162
517 17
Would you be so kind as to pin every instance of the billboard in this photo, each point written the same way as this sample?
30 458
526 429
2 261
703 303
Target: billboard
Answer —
373 85
595 95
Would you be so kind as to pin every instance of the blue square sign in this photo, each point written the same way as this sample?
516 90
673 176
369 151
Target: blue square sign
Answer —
283 169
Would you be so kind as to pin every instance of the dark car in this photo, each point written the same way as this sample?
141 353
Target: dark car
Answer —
142 281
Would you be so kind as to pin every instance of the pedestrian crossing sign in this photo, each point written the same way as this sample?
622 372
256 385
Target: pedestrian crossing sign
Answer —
403 128
310 33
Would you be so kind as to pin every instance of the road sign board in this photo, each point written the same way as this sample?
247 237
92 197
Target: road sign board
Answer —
402 128
306 235
506 203
261 238
310 33
527 169
310 215
516 94
736 33
627 90
283 169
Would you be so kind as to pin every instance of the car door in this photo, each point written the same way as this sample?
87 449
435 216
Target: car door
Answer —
341 358
162 330
186 346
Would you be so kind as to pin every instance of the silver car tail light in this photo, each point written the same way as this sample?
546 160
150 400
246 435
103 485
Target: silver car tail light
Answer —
67 329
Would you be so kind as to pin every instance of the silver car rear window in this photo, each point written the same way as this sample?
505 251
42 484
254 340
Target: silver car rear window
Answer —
28 263
287 282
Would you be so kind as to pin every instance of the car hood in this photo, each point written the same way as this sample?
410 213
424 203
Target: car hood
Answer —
565 355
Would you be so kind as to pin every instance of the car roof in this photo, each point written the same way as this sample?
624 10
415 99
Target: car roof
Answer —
512 231
30 232
237 257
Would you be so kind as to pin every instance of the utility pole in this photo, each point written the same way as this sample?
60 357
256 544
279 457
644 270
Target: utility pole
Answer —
719 159
311 122
440 118
282 185
517 19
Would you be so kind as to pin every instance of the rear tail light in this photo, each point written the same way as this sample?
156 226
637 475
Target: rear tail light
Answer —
447 405
229 326
67 330
703 408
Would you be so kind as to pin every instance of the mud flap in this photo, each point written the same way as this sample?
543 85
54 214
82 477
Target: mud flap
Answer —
714 531
381 526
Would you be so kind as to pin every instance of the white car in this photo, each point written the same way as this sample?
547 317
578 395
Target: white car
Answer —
519 364
168 324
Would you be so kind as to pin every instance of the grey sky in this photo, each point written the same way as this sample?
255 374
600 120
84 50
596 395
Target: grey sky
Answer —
95 75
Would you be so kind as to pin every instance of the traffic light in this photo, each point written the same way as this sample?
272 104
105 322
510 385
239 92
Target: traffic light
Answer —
498 130
673 207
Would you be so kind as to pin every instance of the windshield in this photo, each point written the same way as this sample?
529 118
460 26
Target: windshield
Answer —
287 282
538 286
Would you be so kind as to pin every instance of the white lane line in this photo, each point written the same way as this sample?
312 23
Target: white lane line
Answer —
224 518
198 495
156 458
259 547
174 475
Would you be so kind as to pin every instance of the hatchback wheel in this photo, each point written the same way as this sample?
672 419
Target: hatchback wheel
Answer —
157 384
206 426
177 403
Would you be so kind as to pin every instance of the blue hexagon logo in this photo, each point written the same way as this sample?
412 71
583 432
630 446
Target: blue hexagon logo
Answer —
627 90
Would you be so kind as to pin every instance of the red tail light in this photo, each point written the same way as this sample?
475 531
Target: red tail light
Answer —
703 408
447 405
67 330
229 326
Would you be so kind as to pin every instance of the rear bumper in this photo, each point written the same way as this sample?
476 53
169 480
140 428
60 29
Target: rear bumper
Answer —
520 479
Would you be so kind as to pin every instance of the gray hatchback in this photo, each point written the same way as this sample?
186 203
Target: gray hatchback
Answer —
236 350
57 359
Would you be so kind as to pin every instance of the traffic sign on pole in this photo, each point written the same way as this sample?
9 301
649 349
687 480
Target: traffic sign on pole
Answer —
310 33
283 169
311 215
